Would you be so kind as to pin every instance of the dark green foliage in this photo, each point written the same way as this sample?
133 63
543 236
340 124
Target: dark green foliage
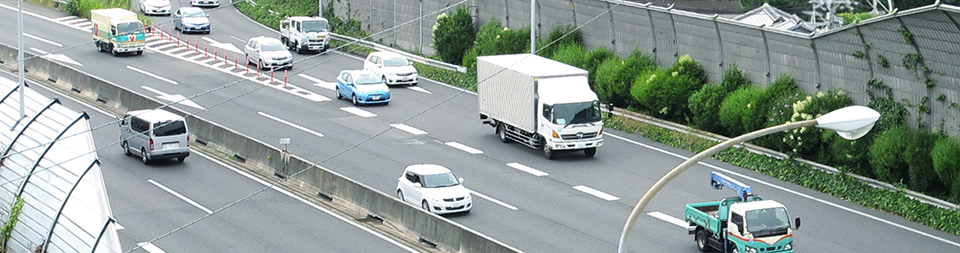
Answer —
738 110
593 59
494 39
665 93
891 113
779 111
571 54
558 36
847 155
453 35
886 151
733 79
614 77
923 177
946 162
705 107
686 66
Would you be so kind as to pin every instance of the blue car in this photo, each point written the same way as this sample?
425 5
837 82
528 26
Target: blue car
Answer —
362 87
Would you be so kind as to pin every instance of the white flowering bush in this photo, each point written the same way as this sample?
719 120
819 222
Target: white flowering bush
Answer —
806 141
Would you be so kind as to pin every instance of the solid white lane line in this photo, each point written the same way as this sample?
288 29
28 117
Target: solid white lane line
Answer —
508 206
290 124
408 129
152 75
180 196
464 148
321 83
358 112
42 39
728 172
669 219
526 169
149 247
594 192
420 90
311 204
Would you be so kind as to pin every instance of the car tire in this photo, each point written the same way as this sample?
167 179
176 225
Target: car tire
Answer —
425 206
701 238
413 84
502 133
339 96
126 148
590 152
181 158
355 102
260 65
140 52
143 156
400 195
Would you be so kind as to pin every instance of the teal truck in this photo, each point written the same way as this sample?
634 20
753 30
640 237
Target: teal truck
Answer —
742 224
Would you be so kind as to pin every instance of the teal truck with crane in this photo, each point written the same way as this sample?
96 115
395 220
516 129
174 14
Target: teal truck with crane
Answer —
742 224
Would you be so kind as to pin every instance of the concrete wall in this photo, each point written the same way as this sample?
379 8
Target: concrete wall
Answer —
447 235
819 62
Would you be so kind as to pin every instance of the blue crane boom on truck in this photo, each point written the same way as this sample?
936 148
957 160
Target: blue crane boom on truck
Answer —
745 223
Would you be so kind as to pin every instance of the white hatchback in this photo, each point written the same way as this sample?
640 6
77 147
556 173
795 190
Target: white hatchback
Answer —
434 188
393 68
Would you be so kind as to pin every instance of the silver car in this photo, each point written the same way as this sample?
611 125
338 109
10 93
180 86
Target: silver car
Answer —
268 53
154 134
155 7
191 19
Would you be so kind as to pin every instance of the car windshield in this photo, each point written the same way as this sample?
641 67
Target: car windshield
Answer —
314 26
395 62
576 113
440 180
366 78
169 128
129 27
194 14
271 46
767 220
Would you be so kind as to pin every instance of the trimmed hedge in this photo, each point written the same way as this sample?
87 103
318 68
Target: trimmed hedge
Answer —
946 162
885 154
453 35
738 109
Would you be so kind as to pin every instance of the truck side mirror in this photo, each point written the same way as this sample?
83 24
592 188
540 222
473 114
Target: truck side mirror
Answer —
797 221
416 185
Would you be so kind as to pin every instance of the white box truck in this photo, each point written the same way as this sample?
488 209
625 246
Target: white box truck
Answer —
117 31
540 103
304 34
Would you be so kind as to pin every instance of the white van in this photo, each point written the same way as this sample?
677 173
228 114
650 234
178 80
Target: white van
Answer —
154 134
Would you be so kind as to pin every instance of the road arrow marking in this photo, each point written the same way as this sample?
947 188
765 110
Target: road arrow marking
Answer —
318 82
227 46
152 75
176 98
57 57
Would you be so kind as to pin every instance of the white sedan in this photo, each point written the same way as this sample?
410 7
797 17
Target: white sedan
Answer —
393 68
155 7
205 3
433 188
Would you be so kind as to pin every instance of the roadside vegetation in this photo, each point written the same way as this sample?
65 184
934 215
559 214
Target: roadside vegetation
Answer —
893 152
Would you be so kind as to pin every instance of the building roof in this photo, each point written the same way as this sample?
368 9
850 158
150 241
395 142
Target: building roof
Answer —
49 161
771 17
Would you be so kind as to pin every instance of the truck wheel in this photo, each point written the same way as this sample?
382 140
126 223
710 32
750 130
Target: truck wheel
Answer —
112 51
99 46
140 52
547 151
701 239
502 133
298 49
590 152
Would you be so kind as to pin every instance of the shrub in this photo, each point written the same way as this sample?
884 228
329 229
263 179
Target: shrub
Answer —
665 93
704 106
923 177
606 84
847 155
572 54
775 107
558 37
494 39
885 154
733 79
891 113
805 141
82 7
593 59
453 35
738 108
635 65
685 65
947 164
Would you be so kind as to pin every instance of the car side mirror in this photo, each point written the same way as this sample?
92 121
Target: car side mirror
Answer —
797 221
410 63
119 121
208 15
417 185
460 179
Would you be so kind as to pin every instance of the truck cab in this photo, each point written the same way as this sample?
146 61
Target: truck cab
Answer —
303 34
117 31
570 117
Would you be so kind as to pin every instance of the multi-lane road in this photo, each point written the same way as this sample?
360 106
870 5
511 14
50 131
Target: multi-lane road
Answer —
571 204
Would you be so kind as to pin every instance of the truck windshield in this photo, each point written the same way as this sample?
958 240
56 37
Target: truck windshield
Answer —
130 27
576 113
314 26
767 221
439 180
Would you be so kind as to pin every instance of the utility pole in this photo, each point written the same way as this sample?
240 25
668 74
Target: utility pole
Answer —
320 10
533 26
20 58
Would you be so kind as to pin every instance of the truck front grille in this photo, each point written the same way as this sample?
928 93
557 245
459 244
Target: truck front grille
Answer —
577 136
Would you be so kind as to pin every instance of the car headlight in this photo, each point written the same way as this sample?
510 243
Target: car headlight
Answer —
789 246
748 249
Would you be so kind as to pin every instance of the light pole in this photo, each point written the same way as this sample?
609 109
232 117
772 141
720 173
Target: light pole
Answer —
850 122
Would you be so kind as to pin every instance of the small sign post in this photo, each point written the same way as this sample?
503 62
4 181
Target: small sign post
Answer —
285 142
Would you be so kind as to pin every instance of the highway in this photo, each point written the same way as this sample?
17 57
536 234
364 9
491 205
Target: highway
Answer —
552 209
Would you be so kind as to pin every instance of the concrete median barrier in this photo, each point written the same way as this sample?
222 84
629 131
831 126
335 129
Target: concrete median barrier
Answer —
428 227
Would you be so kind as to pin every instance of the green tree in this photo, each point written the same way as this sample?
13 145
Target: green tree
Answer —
453 35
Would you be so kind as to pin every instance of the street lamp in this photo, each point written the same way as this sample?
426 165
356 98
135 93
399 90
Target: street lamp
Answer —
850 122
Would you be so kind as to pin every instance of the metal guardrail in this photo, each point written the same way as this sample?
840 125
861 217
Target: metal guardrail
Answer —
764 151
413 57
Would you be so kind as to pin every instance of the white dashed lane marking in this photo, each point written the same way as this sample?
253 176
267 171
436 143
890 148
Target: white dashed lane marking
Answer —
408 129
464 148
594 192
358 112
526 169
